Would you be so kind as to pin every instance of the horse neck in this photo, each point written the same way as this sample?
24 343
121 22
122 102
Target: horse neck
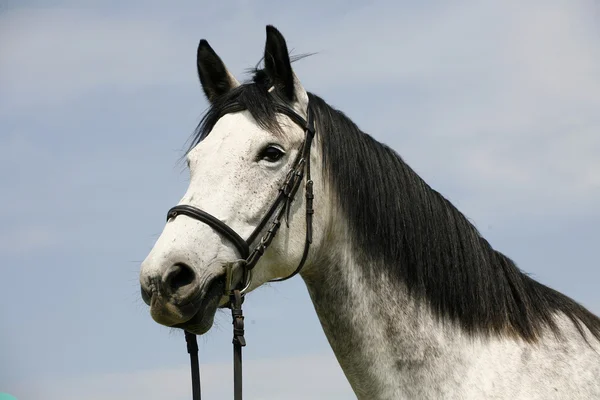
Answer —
382 338
390 344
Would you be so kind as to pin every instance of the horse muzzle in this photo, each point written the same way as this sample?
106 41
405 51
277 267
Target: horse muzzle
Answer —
180 298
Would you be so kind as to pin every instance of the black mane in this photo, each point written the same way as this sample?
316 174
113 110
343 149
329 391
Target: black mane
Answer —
411 231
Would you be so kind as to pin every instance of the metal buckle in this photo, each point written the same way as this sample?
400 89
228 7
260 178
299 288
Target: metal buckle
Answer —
248 282
247 277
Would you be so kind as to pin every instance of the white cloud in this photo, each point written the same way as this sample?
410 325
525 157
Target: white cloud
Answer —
312 376
505 96
510 92
52 56
497 100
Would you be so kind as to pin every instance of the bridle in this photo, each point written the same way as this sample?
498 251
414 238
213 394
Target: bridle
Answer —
279 210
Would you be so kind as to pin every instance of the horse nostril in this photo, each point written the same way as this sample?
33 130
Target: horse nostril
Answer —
178 276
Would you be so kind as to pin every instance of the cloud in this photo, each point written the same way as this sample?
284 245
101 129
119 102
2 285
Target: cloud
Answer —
311 376
52 56
494 104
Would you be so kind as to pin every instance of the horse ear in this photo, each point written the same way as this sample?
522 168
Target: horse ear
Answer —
216 80
279 68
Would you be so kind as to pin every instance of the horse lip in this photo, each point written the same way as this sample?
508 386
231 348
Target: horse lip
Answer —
166 312
173 313
203 306
191 306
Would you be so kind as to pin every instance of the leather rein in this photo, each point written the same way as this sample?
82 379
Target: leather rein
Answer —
280 209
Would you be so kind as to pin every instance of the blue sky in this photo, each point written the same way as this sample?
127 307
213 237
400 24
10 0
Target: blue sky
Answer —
494 104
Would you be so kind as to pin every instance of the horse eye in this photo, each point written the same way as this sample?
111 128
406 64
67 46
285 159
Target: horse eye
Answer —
271 154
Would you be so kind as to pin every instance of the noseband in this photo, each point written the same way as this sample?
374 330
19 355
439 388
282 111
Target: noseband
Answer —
279 210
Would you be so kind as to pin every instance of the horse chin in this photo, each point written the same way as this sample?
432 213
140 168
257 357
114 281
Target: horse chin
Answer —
204 317
200 323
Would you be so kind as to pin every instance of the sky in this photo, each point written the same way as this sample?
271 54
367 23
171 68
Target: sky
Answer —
494 104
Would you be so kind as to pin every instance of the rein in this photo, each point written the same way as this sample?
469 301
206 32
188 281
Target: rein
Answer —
280 208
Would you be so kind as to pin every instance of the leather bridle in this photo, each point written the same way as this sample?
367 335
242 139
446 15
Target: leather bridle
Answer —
279 210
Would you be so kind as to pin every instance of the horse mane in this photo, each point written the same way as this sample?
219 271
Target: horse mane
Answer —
412 234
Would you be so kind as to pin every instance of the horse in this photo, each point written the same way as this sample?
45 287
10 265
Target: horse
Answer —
414 302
